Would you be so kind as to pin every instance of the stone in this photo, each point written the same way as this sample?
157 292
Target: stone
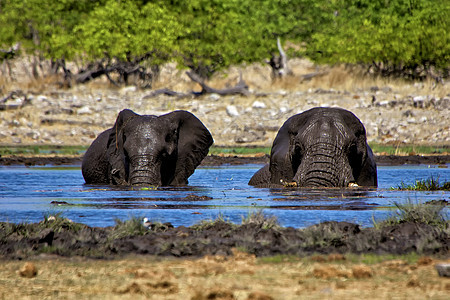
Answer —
85 110
214 97
128 89
443 269
232 111
258 104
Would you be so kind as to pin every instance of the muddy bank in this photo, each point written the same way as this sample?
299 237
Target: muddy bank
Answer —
261 238
215 160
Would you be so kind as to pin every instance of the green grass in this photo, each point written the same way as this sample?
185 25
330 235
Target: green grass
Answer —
405 149
372 259
127 228
259 218
42 149
429 184
205 224
417 212
238 150
79 150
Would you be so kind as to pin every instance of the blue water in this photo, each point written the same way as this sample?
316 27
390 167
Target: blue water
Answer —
27 194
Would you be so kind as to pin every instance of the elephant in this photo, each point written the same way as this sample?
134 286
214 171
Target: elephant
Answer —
147 150
321 147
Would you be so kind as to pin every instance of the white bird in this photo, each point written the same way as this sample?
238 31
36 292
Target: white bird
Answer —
146 222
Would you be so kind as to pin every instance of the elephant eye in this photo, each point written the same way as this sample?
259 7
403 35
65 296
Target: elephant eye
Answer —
168 138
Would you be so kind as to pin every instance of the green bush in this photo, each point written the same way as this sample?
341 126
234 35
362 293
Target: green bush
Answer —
398 36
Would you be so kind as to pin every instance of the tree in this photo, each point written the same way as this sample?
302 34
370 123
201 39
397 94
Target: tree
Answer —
393 37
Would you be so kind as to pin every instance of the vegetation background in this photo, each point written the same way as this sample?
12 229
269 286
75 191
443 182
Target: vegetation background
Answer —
397 37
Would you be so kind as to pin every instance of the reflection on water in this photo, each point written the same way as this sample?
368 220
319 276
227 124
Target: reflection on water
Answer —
28 194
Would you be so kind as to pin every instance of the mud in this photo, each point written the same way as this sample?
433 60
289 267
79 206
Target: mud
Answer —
67 239
216 160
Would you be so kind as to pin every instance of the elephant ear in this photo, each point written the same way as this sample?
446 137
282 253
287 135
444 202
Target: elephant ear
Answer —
281 168
115 154
194 141
365 167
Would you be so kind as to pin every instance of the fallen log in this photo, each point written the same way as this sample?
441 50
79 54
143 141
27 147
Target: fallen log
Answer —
240 88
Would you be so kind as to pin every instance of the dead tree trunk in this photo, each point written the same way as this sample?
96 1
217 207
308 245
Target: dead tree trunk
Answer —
279 63
240 88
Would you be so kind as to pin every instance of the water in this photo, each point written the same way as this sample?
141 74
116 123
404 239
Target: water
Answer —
27 194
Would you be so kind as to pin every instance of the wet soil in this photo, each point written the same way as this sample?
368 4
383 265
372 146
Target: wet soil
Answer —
217 160
67 239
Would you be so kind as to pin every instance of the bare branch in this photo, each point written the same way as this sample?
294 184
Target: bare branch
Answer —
240 88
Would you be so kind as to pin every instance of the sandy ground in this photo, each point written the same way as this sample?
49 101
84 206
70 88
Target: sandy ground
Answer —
241 276
38 112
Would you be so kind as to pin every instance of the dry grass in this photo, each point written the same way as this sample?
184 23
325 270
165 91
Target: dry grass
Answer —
241 276
257 76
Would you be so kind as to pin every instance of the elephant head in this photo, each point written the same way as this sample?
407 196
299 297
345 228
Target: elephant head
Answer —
149 150
322 147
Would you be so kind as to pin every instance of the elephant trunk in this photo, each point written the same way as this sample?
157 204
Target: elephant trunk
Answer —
145 170
324 165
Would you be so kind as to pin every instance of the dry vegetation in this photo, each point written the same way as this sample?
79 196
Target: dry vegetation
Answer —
241 276
257 76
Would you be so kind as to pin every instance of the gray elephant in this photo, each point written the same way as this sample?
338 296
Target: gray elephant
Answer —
147 150
321 147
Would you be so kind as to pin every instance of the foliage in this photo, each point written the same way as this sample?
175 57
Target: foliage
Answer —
128 228
55 222
407 149
429 184
260 219
206 224
42 149
238 150
393 36
423 213
209 35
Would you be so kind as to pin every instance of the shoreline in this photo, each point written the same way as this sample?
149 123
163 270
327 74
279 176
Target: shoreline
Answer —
220 160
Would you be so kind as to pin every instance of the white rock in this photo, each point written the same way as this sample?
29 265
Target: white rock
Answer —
41 98
258 104
419 98
128 89
214 97
232 111
85 110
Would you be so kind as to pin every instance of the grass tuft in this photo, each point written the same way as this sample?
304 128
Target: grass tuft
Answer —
205 224
128 228
260 219
57 223
422 213
429 184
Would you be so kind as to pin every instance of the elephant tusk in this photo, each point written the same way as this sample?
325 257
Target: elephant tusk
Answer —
288 184
352 184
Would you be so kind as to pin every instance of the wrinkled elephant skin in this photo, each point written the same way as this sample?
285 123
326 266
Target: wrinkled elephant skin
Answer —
321 147
147 150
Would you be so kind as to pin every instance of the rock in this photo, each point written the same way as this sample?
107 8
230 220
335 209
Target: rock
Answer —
214 97
258 104
128 89
443 269
85 110
232 111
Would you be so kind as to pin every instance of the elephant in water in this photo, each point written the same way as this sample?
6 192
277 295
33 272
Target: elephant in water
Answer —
147 150
321 147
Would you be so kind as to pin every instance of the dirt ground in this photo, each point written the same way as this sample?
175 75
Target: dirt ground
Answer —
240 276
